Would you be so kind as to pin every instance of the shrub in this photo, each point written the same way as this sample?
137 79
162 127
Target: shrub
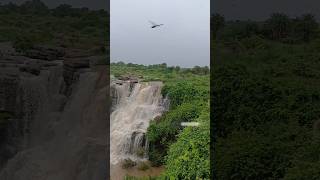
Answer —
189 157
163 133
22 44
143 166
128 163
140 152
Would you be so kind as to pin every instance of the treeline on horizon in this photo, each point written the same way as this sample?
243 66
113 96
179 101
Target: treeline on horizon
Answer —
278 27
265 95
40 8
199 70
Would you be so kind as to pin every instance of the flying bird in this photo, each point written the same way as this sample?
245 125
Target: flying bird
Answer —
154 25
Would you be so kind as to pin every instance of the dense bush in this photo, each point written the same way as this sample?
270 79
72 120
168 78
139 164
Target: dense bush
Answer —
22 44
163 133
128 163
266 100
142 166
188 158
306 164
183 92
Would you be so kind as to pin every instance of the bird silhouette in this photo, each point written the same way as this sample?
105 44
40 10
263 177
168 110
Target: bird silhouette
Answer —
154 25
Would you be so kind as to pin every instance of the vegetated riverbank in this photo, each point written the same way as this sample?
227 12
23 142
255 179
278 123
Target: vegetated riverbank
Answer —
169 143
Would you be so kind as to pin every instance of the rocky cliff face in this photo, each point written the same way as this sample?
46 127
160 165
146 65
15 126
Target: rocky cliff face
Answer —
60 116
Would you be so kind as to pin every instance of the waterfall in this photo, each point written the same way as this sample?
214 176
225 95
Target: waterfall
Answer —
134 105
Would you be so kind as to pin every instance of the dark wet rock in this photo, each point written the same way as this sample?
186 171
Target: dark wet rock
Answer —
6 48
45 53
76 53
137 137
130 78
119 82
33 68
49 139
77 62
71 71
99 60
134 80
8 93
157 119
15 58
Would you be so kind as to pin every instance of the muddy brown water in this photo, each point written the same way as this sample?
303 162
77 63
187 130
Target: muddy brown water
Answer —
118 173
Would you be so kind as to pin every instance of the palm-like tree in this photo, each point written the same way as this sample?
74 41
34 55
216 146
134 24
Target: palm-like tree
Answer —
308 25
279 25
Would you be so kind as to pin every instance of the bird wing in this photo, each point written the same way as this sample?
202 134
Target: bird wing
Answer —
153 23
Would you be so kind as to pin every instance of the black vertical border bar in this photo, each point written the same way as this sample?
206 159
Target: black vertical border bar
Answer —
108 91
212 122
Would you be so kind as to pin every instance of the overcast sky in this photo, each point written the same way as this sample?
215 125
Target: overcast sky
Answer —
261 9
183 40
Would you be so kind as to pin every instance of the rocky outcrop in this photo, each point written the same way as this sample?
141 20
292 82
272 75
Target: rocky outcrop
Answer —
130 78
8 93
45 53
60 118
31 68
71 71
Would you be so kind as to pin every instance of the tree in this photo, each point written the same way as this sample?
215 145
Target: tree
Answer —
251 28
217 22
163 65
177 68
278 26
307 26
34 7
62 10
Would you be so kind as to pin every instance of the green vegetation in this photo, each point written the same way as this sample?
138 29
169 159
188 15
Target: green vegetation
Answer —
128 163
266 99
188 158
183 151
143 166
163 133
33 22
140 152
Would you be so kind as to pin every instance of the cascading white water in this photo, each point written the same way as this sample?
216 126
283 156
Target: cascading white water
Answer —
134 105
